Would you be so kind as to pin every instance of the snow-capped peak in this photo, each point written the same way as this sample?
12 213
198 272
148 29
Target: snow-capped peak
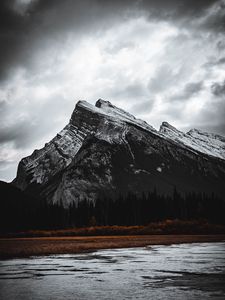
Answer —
105 108
103 103
195 139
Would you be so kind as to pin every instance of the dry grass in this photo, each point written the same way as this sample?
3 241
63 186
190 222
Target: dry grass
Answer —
25 247
76 240
164 227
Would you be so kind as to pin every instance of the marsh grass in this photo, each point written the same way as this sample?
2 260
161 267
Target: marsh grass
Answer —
163 227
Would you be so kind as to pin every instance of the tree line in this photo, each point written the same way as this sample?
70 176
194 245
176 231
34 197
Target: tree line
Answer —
130 209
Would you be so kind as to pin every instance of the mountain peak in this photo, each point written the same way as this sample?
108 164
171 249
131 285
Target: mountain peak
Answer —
84 104
103 103
165 127
104 148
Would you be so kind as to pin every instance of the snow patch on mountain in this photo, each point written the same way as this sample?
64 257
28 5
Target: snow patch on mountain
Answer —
208 143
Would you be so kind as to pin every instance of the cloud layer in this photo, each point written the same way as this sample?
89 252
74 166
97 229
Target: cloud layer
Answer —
160 60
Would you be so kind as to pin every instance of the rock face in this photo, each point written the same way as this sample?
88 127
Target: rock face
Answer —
104 151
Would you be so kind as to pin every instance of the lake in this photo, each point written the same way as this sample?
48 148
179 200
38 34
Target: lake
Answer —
184 271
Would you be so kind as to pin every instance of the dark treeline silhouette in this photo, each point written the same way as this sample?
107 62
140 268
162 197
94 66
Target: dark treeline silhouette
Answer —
142 209
19 212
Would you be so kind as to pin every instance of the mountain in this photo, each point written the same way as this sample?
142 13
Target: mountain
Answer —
105 151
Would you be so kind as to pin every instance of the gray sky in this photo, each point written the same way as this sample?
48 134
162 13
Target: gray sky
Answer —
160 60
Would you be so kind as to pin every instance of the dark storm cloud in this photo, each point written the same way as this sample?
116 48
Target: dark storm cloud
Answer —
23 32
212 117
216 21
218 89
220 61
177 9
214 63
45 22
187 12
190 90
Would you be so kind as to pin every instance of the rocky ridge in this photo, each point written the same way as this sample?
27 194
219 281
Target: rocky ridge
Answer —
105 151
208 143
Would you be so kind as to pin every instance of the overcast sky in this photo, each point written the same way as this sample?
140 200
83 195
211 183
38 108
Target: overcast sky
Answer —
160 60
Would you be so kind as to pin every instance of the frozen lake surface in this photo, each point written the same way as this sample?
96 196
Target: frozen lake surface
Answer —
185 271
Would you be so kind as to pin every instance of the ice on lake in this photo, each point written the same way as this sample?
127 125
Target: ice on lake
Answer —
184 271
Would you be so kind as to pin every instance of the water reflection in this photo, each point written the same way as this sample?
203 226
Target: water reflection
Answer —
185 271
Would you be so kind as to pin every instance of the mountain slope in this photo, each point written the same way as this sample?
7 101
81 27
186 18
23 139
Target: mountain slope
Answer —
104 151
208 143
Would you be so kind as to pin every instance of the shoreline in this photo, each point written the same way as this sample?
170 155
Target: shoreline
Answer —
41 246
